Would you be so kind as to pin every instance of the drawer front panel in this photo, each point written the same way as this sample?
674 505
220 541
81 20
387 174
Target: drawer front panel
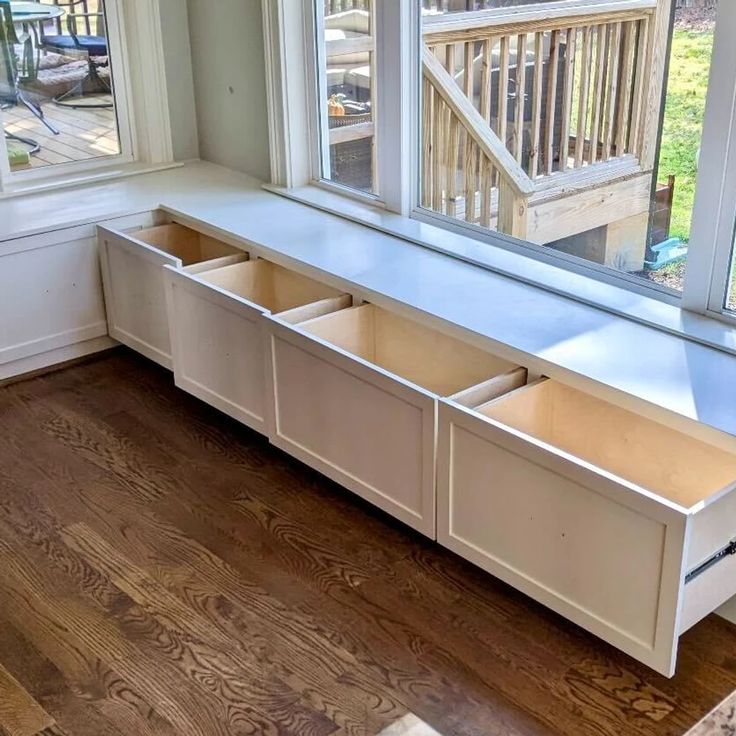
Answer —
366 430
135 298
609 566
218 348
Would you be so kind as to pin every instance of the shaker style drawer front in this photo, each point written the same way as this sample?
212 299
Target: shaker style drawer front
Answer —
132 276
354 396
584 506
217 329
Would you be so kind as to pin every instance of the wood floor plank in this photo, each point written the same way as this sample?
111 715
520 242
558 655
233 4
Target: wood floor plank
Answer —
103 704
20 714
165 571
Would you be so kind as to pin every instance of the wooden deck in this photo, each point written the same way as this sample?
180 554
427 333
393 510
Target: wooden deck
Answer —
83 134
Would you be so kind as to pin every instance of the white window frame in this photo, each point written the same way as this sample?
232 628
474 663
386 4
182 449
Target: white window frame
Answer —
141 105
292 77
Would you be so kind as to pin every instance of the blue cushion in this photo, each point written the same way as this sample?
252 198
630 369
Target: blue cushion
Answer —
93 45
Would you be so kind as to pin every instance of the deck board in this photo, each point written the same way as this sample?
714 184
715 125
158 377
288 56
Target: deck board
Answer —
83 134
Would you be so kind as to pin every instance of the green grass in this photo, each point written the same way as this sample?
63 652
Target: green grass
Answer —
683 127
683 121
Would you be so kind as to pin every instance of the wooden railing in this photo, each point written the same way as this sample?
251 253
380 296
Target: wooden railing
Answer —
466 165
332 7
562 84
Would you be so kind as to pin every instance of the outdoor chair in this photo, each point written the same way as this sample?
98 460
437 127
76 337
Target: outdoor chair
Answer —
94 47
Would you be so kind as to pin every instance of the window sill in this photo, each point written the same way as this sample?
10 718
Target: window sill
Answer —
646 310
54 182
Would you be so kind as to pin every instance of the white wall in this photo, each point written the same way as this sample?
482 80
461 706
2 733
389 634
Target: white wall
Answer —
229 83
179 80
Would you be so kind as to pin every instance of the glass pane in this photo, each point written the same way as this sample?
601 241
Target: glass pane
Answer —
56 99
349 141
565 148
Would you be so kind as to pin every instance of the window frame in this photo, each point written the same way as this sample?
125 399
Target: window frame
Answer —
399 152
144 126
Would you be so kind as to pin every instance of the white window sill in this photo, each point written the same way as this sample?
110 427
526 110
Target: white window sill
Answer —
669 317
54 181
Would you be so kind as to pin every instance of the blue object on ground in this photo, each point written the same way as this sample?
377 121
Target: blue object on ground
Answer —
666 252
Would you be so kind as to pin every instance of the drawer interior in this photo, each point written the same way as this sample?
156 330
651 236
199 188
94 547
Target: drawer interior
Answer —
657 458
184 243
418 354
268 285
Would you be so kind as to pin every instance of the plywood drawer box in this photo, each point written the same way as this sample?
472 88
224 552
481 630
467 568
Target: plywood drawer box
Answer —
355 397
217 331
132 276
611 519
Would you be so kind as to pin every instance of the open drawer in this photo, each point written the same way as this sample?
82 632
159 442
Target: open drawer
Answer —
615 521
355 397
215 319
132 276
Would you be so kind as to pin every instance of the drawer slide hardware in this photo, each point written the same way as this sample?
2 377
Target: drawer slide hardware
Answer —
729 549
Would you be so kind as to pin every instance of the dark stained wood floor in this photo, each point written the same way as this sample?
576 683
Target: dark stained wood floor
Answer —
165 571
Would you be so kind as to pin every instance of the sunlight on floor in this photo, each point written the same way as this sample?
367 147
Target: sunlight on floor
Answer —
409 725
83 134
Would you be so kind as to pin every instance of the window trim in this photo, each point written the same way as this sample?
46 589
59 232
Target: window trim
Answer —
144 125
287 81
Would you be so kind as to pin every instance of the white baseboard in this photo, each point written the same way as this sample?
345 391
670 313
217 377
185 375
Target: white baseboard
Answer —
52 357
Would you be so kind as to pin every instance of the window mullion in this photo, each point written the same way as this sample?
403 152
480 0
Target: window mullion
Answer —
397 37
711 238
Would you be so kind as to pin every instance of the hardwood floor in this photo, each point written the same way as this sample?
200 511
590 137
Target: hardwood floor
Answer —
165 571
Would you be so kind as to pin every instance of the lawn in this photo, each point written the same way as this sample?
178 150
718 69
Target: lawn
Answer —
683 121
683 126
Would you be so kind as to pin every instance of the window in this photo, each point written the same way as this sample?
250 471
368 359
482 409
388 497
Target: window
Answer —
594 135
346 45
59 97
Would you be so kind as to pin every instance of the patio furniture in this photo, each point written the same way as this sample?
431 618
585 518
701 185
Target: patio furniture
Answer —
9 93
12 14
93 46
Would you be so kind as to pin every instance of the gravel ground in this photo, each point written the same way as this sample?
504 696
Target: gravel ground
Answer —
672 276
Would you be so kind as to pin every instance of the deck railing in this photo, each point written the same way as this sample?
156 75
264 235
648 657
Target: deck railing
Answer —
561 84
465 161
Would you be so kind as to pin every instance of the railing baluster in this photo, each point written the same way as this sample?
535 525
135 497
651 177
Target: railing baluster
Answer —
600 66
428 142
503 88
553 65
486 70
438 153
612 91
520 96
486 186
583 95
470 178
640 72
624 101
535 147
468 175
469 74
452 162
570 39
